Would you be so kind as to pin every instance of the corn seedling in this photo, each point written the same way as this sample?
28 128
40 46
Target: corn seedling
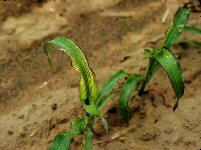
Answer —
92 100
161 56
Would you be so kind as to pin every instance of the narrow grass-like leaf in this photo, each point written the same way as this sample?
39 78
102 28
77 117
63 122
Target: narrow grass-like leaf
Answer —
193 30
105 101
105 124
125 95
63 139
109 85
191 42
88 86
88 140
178 24
150 71
171 66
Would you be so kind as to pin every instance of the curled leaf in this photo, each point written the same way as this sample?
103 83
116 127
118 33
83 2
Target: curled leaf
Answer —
88 85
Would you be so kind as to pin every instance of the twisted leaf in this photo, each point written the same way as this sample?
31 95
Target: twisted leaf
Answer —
125 95
88 87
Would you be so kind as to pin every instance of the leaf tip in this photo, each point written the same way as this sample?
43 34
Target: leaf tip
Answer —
175 106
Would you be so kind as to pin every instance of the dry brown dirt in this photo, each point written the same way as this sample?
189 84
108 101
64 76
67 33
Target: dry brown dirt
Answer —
37 102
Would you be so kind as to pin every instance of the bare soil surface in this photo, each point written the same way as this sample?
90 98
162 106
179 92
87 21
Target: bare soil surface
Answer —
37 102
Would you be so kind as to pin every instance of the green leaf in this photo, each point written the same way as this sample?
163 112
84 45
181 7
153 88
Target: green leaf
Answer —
80 124
106 100
178 24
125 95
153 64
193 30
88 140
88 86
63 139
109 85
171 66
191 42
105 124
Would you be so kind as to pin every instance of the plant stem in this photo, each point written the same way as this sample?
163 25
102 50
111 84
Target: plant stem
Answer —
147 76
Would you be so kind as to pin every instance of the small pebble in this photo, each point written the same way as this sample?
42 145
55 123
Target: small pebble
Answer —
10 132
54 106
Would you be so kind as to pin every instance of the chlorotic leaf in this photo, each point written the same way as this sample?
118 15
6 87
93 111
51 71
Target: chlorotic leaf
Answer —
88 85
105 124
193 30
109 85
177 27
88 140
105 101
171 66
125 95
63 139
80 124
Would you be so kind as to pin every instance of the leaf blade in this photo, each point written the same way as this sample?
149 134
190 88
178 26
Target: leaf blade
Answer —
125 95
88 85
191 42
178 24
63 139
172 68
88 140
110 84
107 99
105 124
192 29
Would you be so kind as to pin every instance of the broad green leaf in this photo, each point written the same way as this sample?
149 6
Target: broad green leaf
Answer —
88 140
125 95
171 66
109 85
193 30
105 101
88 87
178 24
63 139
191 42
105 124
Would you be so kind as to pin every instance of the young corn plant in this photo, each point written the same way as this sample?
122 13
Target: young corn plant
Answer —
161 56
92 99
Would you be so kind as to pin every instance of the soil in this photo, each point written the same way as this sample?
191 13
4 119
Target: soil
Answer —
37 102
